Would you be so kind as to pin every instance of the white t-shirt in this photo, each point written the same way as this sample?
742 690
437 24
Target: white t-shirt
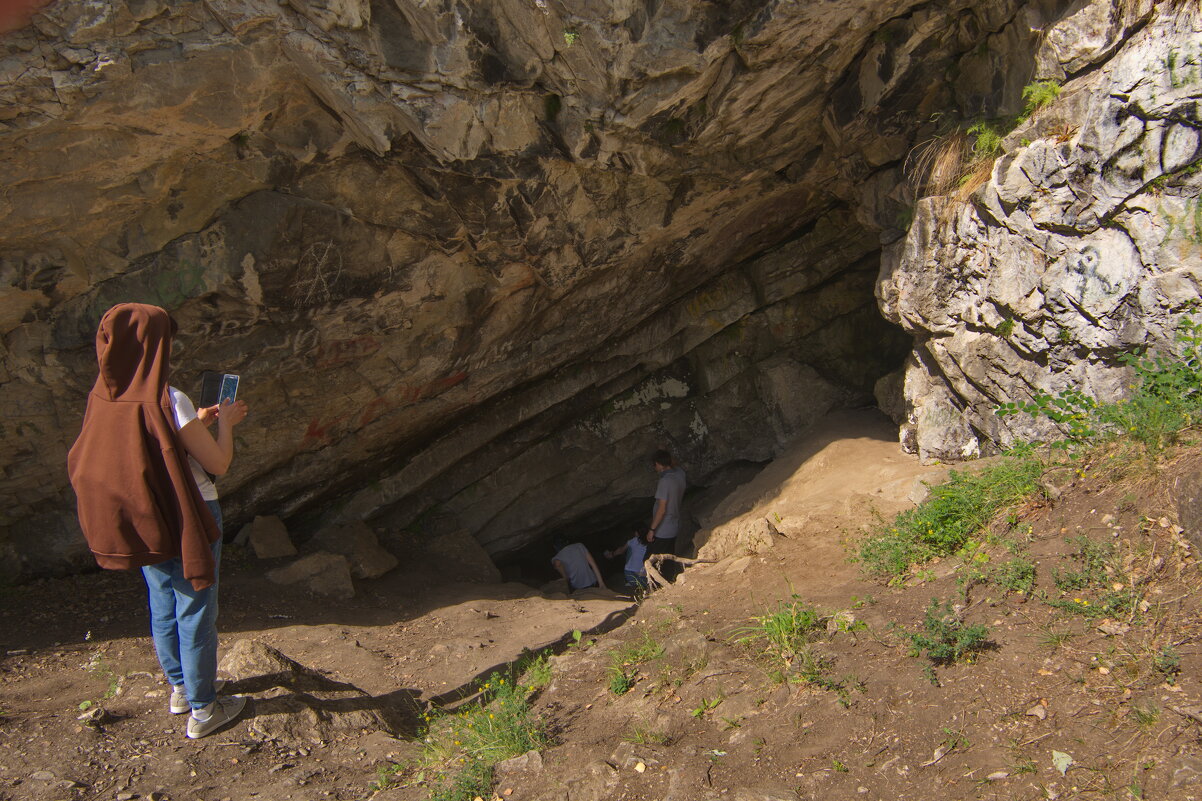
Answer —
185 413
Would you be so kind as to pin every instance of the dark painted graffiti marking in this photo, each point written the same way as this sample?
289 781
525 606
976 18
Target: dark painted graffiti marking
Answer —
1187 225
343 351
1086 264
327 430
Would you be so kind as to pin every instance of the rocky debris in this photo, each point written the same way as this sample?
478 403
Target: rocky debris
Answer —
322 573
519 773
357 542
298 707
1186 771
269 537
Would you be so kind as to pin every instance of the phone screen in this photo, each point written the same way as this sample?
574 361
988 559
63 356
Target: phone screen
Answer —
229 388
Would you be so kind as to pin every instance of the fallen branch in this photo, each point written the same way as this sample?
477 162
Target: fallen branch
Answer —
654 562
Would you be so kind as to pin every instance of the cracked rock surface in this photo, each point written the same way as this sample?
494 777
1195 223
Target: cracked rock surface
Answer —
473 261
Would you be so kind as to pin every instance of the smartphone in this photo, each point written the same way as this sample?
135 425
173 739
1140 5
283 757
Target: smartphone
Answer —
229 389
216 387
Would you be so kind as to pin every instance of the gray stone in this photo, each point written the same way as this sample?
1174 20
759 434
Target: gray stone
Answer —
300 707
523 768
462 557
322 573
358 543
1025 291
1186 492
269 537
1186 771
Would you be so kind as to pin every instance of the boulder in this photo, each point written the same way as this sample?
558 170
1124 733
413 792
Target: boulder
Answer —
749 534
322 573
269 537
1186 492
301 707
462 557
358 543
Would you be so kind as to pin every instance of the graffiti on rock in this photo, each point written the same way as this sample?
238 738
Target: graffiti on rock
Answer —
344 351
326 430
1187 225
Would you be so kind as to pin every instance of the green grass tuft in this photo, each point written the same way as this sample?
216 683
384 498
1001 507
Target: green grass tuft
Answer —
955 512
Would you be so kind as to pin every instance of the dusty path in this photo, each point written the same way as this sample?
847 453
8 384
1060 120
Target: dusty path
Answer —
708 719
825 489
70 641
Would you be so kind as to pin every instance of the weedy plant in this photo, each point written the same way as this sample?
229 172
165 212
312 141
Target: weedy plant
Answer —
97 666
782 637
1038 95
954 512
535 670
1167 663
945 638
461 748
624 662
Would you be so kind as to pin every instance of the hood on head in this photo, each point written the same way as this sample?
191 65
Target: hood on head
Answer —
133 348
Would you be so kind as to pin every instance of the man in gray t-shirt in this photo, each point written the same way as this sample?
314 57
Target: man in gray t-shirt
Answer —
665 516
576 564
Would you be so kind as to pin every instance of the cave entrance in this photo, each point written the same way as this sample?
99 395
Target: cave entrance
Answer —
600 529
610 525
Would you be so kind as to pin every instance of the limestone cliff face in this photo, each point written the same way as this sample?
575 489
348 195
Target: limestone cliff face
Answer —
1083 243
475 259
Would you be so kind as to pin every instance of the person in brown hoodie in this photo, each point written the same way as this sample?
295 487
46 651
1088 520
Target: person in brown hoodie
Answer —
144 500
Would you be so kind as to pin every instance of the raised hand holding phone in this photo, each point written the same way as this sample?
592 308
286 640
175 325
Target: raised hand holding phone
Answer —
231 413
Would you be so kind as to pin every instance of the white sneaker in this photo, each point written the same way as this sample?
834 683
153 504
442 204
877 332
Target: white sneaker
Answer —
215 715
179 697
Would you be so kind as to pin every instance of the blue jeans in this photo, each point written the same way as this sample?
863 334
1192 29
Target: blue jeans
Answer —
183 622
636 581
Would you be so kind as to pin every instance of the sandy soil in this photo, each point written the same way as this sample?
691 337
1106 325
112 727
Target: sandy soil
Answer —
710 718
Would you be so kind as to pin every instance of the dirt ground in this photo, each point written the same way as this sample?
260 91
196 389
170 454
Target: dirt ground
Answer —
708 718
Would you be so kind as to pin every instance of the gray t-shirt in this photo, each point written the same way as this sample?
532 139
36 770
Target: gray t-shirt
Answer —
574 559
671 489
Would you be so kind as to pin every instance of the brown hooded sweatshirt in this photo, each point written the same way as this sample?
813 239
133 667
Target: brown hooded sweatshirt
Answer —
137 501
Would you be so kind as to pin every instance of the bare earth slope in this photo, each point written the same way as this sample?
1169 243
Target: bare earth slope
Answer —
709 718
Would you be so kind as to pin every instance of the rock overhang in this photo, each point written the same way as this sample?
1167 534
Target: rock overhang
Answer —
454 254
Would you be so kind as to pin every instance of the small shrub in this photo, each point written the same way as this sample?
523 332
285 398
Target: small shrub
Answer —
461 748
1145 715
1167 663
785 632
945 638
1013 575
1005 328
987 141
535 671
1094 557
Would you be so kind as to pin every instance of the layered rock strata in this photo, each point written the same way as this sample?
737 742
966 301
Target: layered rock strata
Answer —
474 260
